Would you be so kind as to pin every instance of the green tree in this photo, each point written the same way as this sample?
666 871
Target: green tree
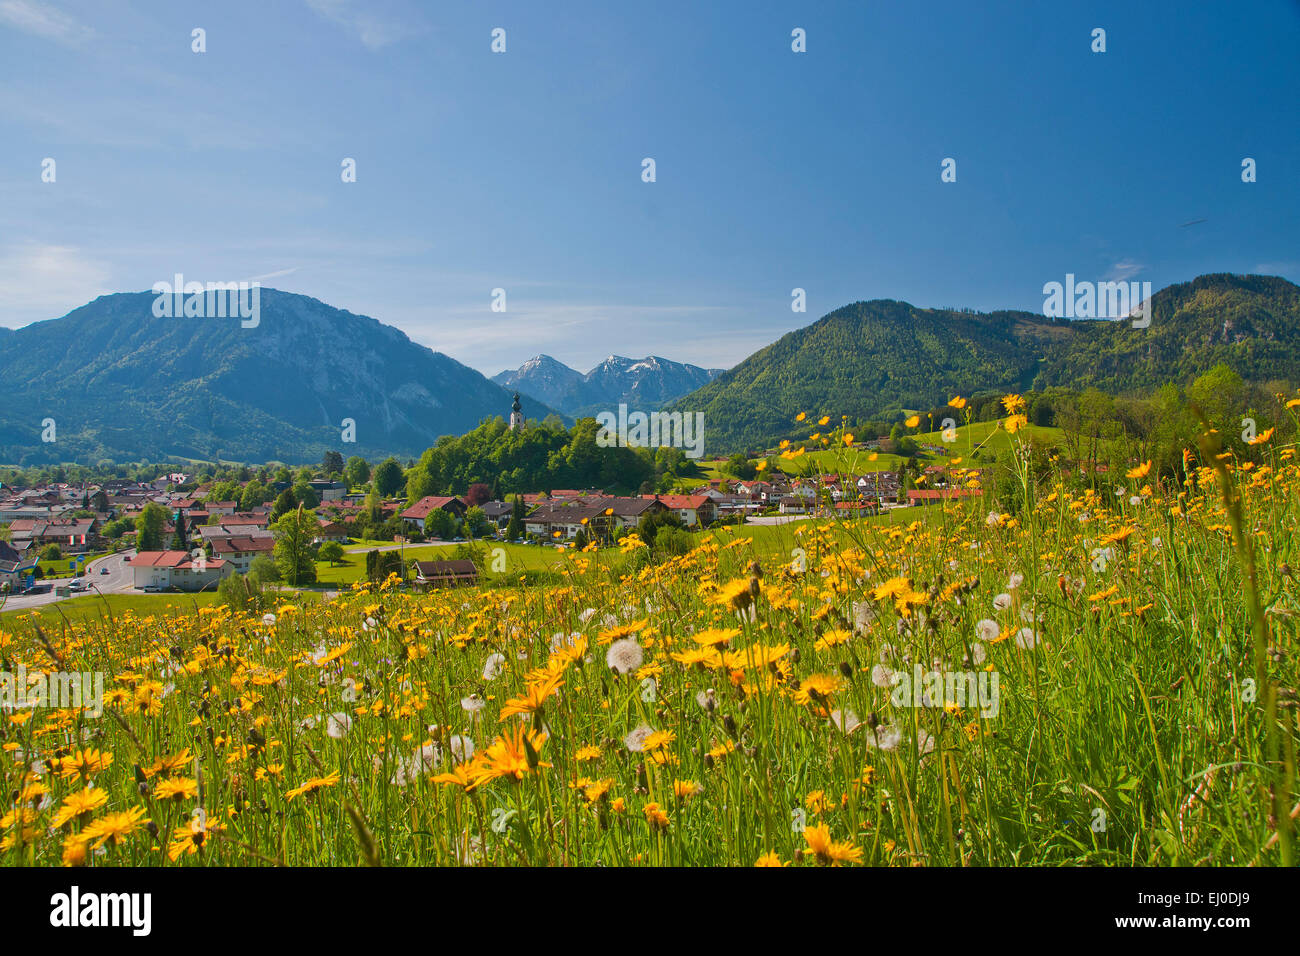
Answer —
476 523
356 471
264 570
515 528
181 538
284 503
332 552
295 531
389 478
149 527
441 523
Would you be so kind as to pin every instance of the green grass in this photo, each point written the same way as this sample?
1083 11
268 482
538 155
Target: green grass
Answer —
94 607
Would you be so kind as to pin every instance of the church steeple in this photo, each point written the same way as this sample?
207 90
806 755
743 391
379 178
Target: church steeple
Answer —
516 414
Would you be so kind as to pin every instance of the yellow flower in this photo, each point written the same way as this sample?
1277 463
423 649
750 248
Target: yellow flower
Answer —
76 804
1140 471
913 421
115 827
826 850
770 859
315 783
657 819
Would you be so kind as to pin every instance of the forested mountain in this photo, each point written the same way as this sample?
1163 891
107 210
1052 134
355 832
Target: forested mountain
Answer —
873 359
120 383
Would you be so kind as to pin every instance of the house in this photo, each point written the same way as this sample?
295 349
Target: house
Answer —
498 512
415 515
437 574
14 568
329 490
695 511
240 551
176 569
792 505
565 519
330 531
628 512
70 534
222 507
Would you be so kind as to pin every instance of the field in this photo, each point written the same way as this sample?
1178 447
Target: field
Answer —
1087 678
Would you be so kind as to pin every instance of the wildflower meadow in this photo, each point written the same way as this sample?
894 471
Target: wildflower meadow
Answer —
1073 677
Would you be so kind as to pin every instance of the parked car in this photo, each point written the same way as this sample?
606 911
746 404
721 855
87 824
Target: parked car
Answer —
151 588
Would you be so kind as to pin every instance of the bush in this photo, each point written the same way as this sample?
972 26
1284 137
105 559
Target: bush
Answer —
241 593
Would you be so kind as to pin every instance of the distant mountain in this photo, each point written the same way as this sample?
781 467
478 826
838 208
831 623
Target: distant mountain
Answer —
120 383
645 384
875 358
544 378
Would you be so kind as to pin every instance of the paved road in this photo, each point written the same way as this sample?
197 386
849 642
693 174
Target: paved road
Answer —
118 580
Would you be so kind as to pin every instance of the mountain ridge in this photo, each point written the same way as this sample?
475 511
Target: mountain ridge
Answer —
122 383
646 383
878 357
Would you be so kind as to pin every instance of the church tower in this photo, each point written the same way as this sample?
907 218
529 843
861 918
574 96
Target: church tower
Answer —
516 414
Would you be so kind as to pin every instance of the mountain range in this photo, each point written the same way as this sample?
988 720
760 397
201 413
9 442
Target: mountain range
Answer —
645 384
120 383
874 359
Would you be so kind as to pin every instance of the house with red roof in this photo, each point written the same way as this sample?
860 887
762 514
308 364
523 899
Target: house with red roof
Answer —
414 516
158 570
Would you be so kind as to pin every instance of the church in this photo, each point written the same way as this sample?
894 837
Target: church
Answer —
516 414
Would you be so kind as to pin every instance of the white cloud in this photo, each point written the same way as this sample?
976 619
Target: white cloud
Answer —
42 20
1124 270
374 31
41 281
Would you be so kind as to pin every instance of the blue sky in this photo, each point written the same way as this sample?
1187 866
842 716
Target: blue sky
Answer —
522 170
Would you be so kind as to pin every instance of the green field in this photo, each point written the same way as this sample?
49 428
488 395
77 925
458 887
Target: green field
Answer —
94 607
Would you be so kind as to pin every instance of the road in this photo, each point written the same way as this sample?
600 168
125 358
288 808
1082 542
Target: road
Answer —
119 580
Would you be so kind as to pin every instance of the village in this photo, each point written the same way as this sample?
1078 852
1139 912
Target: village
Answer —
61 539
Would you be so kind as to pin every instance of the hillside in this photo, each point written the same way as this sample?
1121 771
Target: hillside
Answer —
875 358
123 384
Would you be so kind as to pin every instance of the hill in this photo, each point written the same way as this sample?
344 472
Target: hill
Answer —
121 383
873 359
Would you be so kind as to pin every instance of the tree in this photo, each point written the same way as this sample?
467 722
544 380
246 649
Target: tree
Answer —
99 500
515 529
293 549
149 527
305 495
478 494
284 503
332 552
389 478
255 493
356 471
332 463
441 523
740 467
476 523
181 539
241 593
263 570
51 552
